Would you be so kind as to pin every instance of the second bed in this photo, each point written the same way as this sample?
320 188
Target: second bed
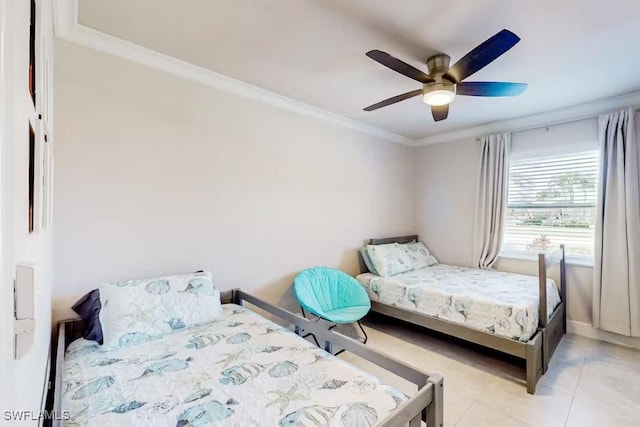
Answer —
496 302
524 316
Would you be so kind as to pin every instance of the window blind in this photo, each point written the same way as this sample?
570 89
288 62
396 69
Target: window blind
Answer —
551 200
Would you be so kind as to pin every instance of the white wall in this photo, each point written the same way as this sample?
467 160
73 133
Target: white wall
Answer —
22 381
446 185
157 175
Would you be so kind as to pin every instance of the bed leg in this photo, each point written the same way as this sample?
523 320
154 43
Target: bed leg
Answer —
531 373
434 414
546 346
534 362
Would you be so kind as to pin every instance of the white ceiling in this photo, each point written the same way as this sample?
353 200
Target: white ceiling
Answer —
572 52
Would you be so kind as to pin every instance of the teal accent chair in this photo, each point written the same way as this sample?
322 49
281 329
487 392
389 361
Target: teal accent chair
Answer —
331 295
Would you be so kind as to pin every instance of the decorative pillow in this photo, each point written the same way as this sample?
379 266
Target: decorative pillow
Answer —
367 261
389 259
419 254
138 310
88 308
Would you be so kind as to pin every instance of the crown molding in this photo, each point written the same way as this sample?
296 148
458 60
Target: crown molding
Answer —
67 28
549 118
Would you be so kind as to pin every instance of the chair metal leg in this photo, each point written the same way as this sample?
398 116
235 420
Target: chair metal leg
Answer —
304 336
328 344
363 333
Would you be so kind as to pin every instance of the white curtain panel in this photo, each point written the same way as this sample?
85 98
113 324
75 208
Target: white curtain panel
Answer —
616 284
492 199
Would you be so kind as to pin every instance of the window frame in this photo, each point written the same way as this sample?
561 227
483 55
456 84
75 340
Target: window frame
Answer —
580 260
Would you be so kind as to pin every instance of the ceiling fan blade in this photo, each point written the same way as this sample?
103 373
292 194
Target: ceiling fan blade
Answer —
490 88
440 112
394 100
487 52
399 66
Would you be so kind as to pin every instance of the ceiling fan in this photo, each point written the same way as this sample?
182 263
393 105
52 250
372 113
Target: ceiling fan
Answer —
443 83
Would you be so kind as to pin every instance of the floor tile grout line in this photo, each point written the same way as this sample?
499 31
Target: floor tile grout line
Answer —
575 390
584 361
573 396
566 421
473 401
497 410
510 416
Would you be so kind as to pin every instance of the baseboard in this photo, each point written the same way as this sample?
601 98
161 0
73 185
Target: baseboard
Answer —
587 330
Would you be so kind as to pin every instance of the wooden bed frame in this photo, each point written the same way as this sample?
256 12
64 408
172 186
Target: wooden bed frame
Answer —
426 405
536 352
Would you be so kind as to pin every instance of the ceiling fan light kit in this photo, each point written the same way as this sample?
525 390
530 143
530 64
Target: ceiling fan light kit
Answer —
436 94
442 83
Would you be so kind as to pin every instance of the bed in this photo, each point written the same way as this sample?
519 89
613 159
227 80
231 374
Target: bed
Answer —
524 316
239 370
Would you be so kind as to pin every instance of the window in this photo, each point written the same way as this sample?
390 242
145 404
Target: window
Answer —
552 200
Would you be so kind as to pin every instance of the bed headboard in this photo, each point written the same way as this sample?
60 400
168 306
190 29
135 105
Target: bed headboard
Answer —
401 239
384 241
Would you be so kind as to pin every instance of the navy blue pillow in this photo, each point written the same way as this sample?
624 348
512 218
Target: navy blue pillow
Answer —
88 308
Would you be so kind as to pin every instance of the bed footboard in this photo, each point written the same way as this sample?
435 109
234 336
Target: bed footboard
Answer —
545 262
540 348
556 328
427 405
552 329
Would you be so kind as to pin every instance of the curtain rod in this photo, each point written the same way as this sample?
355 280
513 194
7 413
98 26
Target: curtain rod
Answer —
477 139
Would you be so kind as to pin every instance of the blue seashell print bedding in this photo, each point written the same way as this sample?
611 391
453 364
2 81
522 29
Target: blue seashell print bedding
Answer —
239 370
500 303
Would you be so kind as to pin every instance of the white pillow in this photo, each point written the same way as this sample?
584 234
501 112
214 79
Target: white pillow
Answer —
389 259
367 261
419 254
138 310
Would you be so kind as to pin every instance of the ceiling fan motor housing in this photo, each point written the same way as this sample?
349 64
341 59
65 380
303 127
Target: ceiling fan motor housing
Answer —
441 91
438 64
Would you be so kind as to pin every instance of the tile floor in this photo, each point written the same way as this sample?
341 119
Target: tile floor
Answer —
589 383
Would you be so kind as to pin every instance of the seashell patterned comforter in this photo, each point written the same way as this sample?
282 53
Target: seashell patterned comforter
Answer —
500 303
240 370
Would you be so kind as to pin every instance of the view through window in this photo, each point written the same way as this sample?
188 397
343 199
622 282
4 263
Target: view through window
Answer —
552 200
